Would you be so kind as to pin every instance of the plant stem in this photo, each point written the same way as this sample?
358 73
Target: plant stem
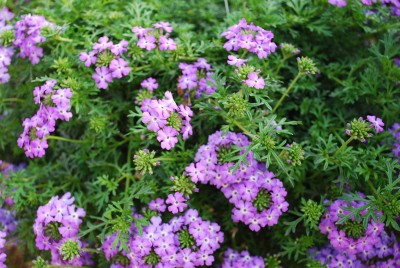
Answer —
226 7
287 91
168 159
13 100
50 137
59 38
344 145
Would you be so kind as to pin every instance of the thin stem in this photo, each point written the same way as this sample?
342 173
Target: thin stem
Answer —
287 91
50 137
59 38
172 159
344 145
226 7
13 100
281 64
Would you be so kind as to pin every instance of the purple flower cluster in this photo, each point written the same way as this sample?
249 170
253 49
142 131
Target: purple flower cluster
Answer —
8 222
359 129
6 53
150 38
258 197
349 237
28 35
384 252
54 105
56 223
196 76
395 130
2 249
167 119
185 241
394 4
249 37
107 57
243 259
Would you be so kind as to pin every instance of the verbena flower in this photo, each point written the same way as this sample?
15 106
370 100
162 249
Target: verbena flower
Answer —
151 38
235 259
56 223
196 77
258 197
107 56
249 37
350 236
28 35
167 119
54 105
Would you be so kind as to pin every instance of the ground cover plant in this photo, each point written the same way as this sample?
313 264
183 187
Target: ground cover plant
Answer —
200 133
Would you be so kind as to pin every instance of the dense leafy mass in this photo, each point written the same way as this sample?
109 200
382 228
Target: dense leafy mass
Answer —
200 133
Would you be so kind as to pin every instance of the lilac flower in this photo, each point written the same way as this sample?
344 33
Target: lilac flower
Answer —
255 81
56 223
377 123
28 35
119 68
108 59
196 76
151 38
234 259
166 43
176 203
258 197
102 77
2 249
150 84
167 119
249 37
88 58
338 3
233 60
157 204
54 105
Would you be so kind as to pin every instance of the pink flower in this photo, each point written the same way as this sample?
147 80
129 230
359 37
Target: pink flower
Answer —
176 202
255 81
167 137
377 123
119 68
88 58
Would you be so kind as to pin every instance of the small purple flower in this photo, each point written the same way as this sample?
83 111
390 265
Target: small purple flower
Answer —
377 123
255 81
176 202
119 68
102 77
233 60
150 84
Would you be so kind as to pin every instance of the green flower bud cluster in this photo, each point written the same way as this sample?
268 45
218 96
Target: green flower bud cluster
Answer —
62 66
51 230
236 105
289 50
7 38
262 201
312 212
144 161
183 184
142 95
272 261
70 249
186 239
175 121
353 229
359 129
152 258
306 66
294 154
40 263
105 58
244 70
